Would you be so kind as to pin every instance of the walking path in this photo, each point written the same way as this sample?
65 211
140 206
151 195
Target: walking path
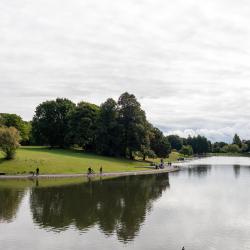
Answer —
141 172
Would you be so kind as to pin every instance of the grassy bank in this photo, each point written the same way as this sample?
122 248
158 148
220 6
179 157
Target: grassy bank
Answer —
62 161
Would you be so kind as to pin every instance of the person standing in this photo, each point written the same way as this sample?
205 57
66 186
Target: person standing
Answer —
100 170
37 171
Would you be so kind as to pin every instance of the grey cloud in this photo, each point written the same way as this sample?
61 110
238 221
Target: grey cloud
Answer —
186 61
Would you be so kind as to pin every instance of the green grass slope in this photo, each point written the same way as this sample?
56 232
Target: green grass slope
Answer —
58 161
65 161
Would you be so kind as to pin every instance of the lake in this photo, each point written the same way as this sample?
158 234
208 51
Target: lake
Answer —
205 206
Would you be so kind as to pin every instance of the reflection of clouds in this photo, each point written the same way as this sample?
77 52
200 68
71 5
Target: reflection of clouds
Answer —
209 213
218 161
190 57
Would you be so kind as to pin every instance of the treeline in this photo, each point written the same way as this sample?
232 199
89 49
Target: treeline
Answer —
115 128
237 146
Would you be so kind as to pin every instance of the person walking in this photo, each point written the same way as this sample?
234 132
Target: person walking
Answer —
100 170
89 171
37 171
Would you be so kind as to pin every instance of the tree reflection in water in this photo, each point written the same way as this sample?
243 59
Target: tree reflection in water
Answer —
116 205
10 200
200 170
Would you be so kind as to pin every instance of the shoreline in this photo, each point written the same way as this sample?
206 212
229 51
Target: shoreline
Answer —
111 174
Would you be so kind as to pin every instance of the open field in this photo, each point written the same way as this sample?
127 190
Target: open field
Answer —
62 161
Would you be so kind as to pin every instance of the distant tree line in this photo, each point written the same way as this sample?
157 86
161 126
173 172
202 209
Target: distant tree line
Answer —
115 128
237 146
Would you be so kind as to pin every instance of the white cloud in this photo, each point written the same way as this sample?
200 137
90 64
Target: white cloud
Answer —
187 61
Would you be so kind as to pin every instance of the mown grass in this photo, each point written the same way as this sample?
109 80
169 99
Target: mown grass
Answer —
65 161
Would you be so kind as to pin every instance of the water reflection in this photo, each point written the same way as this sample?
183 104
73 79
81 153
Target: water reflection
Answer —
200 170
115 205
236 170
10 200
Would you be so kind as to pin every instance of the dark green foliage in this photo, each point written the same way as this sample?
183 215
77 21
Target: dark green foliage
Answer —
159 143
217 147
50 123
132 119
247 142
237 140
82 126
108 133
200 144
175 141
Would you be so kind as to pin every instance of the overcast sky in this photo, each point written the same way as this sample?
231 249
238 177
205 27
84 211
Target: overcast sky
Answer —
187 61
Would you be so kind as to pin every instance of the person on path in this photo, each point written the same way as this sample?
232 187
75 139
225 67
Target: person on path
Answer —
37 171
101 170
89 171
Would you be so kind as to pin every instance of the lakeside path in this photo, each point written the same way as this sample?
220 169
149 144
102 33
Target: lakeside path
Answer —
110 174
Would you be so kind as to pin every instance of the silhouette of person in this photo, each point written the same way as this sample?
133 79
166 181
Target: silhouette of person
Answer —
89 170
37 171
183 248
100 170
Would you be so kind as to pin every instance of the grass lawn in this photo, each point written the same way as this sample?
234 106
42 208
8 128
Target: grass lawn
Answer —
62 161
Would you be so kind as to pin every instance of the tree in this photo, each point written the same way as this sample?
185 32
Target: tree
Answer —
13 120
237 140
247 142
217 147
175 141
108 132
186 150
160 144
244 148
9 141
200 144
83 126
232 148
50 123
135 132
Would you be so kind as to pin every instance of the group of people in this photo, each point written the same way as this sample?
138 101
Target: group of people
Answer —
91 171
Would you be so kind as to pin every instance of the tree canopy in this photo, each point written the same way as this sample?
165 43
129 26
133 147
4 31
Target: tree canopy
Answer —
9 141
13 120
50 123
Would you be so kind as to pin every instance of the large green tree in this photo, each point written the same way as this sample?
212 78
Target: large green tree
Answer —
135 132
83 126
237 140
175 141
160 144
50 123
108 132
200 144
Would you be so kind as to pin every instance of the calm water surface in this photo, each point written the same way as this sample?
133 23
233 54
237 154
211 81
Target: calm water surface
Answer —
203 207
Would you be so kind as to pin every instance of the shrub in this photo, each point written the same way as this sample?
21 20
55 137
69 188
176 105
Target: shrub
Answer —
232 148
9 141
186 150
